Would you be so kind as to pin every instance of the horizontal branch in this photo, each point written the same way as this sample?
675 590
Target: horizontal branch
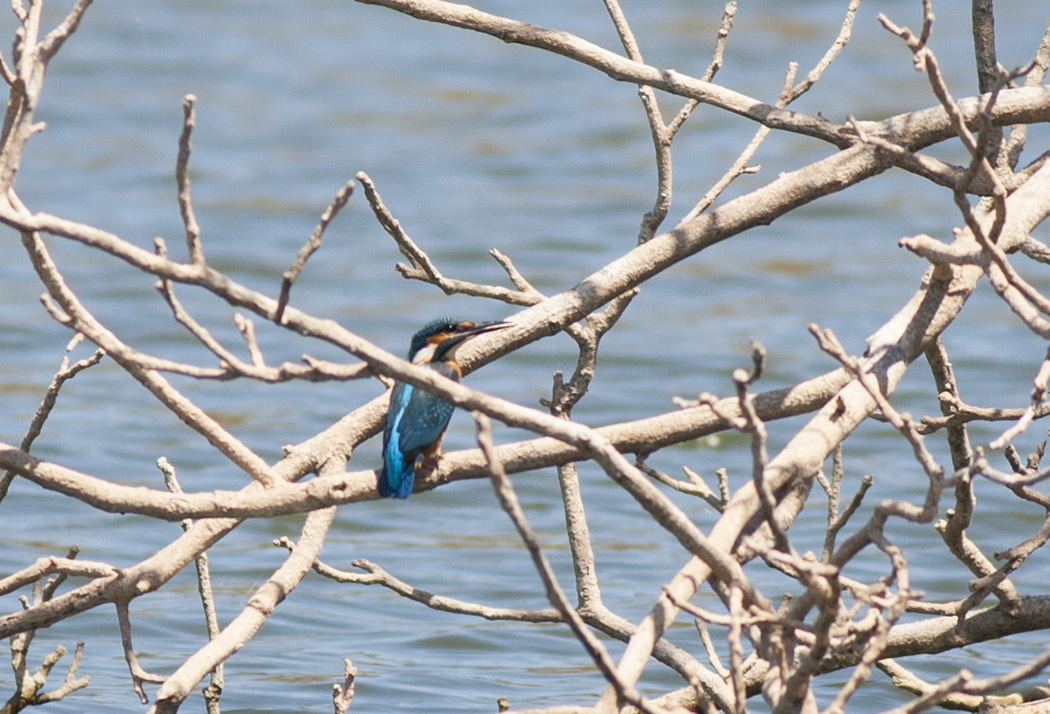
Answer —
641 436
52 564
280 499
941 634
925 637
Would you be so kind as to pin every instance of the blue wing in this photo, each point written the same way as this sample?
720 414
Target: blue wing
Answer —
414 421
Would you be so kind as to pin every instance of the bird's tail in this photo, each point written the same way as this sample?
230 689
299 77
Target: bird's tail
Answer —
398 475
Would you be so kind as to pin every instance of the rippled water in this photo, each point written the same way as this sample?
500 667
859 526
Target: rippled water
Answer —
473 144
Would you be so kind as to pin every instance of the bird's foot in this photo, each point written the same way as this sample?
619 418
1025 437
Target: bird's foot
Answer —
430 461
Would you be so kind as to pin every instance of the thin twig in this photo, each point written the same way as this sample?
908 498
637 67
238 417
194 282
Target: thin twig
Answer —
343 695
65 373
376 575
312 244
509 501
211 619
182 178
139 676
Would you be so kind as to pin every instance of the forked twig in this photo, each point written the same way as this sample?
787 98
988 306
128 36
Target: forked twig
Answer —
66 371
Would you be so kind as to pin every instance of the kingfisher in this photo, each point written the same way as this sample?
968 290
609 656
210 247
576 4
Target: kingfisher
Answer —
416 420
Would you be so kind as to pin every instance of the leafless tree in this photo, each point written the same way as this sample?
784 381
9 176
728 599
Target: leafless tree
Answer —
777 649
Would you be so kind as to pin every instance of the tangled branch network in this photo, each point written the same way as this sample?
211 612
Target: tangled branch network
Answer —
750 641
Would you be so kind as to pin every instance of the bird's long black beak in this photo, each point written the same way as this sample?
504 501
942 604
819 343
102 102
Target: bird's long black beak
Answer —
479 328
483 327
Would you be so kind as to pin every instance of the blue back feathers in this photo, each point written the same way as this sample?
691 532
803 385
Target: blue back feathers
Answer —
415 420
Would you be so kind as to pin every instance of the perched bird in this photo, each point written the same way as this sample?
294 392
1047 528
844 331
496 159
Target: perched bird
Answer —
416 420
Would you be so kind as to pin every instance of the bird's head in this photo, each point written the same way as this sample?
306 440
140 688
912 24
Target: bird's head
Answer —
439 339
